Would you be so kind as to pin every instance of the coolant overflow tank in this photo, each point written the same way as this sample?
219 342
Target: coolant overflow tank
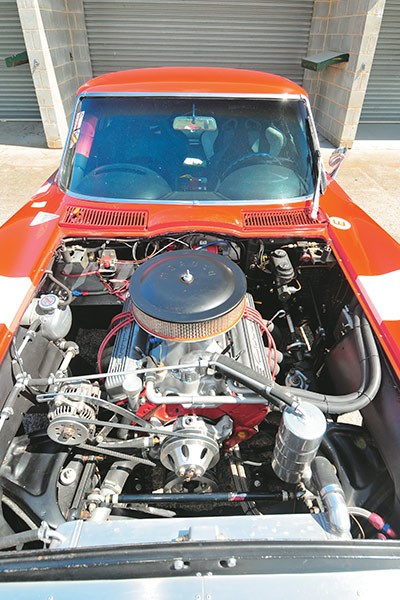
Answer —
55 320
297 442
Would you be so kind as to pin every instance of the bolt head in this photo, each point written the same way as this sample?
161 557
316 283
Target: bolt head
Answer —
231 562
67 476
190 473
178 564
67 432
187 277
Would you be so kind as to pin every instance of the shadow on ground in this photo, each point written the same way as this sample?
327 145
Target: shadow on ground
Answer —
29 134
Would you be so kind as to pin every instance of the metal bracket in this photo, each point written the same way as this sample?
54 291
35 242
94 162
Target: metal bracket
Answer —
318 62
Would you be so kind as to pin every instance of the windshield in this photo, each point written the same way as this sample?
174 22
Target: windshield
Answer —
189 149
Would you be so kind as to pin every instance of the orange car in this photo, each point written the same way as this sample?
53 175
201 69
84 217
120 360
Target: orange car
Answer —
191 306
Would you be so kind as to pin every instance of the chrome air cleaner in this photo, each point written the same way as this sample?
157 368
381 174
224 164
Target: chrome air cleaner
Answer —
188 295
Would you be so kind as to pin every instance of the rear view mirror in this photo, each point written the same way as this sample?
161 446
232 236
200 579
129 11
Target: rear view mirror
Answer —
336 160
194 123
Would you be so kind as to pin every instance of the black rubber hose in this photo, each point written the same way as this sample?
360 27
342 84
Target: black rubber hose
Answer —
251 379
325 482
330 451
117 476
280 395
323 473
371 365
19 539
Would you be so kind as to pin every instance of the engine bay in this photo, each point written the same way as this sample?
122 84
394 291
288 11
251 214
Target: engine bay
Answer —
195 375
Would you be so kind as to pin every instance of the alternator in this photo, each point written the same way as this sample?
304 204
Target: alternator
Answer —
69 410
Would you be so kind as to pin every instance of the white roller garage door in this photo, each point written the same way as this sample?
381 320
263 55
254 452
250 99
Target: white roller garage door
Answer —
259 34
382 100
17 93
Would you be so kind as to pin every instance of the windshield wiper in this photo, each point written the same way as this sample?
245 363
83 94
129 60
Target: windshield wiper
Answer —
317 189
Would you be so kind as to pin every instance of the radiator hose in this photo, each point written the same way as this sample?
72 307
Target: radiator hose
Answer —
326 483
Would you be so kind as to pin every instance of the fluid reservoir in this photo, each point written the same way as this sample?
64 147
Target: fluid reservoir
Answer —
55 320
297 441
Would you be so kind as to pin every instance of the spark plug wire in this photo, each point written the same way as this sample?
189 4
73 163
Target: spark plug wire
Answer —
253 315
118 322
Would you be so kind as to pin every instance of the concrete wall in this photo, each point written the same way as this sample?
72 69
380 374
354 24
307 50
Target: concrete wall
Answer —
56 42
337 93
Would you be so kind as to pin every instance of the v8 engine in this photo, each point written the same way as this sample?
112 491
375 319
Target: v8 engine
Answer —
192 375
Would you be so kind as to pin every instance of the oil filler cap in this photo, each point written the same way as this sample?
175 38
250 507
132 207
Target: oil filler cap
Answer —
48 302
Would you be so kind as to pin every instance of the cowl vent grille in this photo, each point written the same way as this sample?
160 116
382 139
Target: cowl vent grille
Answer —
257 219
94 217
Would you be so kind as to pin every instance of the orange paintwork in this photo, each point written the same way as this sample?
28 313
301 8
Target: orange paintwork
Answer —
192 80
362 250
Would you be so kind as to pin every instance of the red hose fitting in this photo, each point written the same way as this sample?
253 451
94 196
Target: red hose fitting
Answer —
381 525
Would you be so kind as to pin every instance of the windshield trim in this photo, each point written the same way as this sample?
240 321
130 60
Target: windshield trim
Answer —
284 96
210 95
187 202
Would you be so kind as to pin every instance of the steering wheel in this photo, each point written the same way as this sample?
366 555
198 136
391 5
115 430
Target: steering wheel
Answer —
124 167
250 156
125 180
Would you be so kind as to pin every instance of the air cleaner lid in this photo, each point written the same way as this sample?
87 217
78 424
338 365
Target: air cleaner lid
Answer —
187 286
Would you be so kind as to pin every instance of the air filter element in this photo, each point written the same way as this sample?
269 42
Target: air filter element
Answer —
188 295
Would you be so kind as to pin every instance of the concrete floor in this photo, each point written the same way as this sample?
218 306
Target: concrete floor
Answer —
370 173
25 163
